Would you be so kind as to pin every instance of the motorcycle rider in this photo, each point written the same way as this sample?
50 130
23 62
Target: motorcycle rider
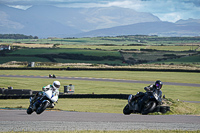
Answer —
151 88
156 88
55 89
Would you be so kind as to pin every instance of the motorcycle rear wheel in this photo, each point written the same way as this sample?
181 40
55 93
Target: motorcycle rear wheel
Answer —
164 109
42 107
126 110
149 107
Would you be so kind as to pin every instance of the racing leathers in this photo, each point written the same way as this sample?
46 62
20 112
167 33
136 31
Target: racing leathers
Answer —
55 93
152 88
139 95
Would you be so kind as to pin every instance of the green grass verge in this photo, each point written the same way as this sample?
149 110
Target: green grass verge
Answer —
102 106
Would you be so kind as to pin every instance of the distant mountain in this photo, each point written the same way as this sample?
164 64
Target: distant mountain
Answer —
31 23
148 28
181 21
50 21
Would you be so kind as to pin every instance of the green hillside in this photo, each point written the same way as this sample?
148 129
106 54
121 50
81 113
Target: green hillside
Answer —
115 51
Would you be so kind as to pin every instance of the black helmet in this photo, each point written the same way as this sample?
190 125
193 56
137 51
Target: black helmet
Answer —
158 84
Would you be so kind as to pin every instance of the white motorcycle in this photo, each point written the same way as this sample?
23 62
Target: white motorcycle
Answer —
45 100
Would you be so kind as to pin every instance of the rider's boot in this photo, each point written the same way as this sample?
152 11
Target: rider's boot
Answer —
133 98
31 99
52 105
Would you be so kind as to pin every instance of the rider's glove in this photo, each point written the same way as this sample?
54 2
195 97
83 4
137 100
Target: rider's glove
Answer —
45 89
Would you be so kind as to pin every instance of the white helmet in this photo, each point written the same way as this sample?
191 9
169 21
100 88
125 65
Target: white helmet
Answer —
56 85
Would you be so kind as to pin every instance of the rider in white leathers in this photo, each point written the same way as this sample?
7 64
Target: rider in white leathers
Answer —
55 90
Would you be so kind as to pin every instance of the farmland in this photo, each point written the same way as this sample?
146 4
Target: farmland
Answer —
112 51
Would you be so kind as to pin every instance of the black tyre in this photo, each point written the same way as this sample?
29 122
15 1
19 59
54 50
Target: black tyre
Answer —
168 108
126 110
157 109
29 111
42 107
164 109
149 107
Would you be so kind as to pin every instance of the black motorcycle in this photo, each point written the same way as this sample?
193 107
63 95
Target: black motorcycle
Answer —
52 76
148 102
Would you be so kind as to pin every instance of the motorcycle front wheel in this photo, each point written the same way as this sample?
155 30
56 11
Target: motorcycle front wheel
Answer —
42 107
126 110
29 111
148 107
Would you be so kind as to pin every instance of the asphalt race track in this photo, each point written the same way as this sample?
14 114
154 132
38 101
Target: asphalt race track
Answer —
103 79
18 120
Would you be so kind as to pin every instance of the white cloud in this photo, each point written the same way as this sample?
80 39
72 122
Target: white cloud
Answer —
20 6
134 4
169 10
172 17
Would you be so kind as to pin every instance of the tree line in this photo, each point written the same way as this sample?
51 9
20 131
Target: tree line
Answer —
17 36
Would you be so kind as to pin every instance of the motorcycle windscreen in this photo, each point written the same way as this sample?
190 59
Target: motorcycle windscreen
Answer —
48 94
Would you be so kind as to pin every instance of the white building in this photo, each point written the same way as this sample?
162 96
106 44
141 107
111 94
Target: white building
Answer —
5 47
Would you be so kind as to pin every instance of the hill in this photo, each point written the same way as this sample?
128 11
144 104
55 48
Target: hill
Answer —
148 28
48 21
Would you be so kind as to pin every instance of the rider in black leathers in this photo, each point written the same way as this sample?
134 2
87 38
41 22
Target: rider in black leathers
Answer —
151 88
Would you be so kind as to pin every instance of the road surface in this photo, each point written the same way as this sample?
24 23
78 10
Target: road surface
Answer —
103 79
18 120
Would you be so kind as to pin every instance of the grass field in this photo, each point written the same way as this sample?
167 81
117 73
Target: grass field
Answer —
71 55
69 51
63 56
179 77
168 50
185 60
100 87
147 40
109 47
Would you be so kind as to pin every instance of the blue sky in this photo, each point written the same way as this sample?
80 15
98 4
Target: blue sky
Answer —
166 10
